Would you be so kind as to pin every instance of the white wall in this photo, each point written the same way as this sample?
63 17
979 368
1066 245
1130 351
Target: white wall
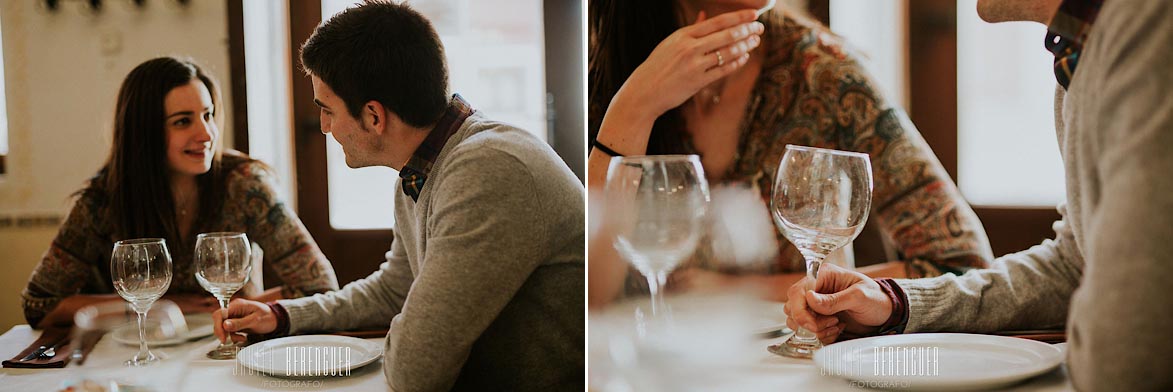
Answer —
62 73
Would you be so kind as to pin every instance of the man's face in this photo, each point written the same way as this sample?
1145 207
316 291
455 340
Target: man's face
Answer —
358 143
995 11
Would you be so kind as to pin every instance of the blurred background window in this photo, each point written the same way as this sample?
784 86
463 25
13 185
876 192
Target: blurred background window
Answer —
3 114
267 70
878 31
1007 153
982 96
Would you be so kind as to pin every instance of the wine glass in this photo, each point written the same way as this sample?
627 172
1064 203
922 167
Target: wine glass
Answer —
657 205
820 201
91 322
223 266
141 271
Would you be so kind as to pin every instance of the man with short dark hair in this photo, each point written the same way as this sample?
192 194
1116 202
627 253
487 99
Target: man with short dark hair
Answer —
1107 273
483 285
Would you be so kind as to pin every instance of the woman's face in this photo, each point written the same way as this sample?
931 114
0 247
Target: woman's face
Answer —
191 131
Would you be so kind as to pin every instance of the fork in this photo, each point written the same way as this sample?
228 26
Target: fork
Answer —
52 351
36 353
43 352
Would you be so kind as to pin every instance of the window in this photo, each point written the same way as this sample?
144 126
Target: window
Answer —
3 115
877 31
980 94
1007 154
495 60
269 128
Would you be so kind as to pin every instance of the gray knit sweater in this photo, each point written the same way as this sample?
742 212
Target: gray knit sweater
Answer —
1108 274
483 285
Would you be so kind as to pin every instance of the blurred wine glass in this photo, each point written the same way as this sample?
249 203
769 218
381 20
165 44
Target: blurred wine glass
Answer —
657 206
820 201
92 322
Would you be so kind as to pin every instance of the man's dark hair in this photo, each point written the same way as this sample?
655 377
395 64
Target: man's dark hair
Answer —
385 52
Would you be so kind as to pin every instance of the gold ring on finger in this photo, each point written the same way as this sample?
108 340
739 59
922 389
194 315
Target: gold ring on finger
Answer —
720 58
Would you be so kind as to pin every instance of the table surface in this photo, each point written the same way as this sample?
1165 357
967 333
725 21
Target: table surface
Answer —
702 361
184 369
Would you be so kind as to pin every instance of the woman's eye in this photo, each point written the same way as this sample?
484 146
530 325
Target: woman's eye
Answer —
208 116
181 122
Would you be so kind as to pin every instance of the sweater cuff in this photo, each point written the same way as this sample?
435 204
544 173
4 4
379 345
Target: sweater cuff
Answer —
925 305
282 330
282 316
303 314
899 318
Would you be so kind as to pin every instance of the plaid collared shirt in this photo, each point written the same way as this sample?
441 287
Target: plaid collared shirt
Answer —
415 172
1067 34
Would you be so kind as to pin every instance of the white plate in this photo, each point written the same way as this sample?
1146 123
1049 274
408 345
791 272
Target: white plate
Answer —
198 325
937 361
310 355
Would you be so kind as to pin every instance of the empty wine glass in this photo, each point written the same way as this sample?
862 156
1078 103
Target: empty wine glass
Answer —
820 201
141 271
222 265
92 322
657 205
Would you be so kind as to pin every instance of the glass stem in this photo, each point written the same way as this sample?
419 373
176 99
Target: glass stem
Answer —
654 290
142 336
812 273
661 282
224 312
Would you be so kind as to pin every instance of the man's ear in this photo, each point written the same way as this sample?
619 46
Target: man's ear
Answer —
375 117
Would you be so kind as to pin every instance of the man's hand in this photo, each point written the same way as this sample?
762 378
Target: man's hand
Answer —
243 316
843 300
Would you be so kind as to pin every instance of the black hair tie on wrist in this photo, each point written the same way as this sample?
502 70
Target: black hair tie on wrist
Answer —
605 149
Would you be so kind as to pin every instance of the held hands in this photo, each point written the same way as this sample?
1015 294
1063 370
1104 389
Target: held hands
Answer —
243 316
842 301
692 58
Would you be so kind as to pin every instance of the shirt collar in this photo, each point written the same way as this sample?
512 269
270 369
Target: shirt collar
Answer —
1067 34
416 171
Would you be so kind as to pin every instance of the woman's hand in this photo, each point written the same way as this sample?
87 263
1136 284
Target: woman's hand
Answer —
688 60
692 58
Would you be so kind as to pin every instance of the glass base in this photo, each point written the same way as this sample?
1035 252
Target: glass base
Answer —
224 351
795 348
145 360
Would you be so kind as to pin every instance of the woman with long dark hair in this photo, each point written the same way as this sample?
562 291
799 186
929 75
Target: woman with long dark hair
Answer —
707 77
169 176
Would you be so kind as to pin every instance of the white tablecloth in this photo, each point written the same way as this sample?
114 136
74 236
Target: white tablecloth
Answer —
184 369
703 361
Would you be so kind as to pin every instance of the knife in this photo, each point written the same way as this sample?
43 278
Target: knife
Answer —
36 353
